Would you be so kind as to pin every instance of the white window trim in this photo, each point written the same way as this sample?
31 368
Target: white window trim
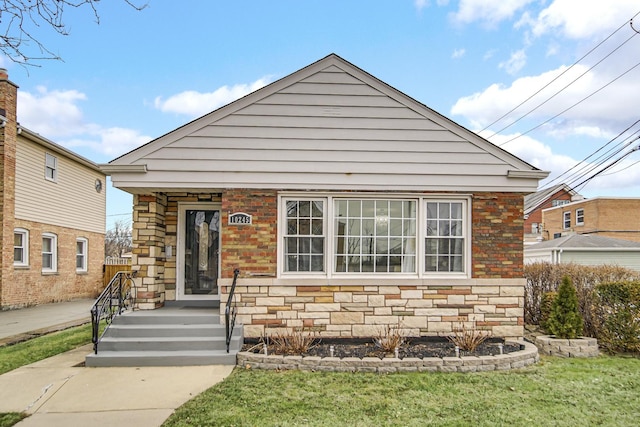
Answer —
54 253
54 167
566 218
85 254
578 216
420 235
25 247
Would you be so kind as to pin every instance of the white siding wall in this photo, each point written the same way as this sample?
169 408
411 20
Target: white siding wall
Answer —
623 259
71 201
330 130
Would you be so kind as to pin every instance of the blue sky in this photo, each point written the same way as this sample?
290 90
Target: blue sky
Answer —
140 74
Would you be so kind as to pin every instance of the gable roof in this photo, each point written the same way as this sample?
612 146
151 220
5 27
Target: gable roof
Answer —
534 200
585 242
330 125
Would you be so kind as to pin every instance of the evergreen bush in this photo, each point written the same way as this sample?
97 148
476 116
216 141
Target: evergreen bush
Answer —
565 320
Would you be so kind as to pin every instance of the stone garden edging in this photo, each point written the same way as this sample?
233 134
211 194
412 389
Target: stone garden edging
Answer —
579 347
526 356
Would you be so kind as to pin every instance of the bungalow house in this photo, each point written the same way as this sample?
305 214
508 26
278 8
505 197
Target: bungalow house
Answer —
345 204
52 204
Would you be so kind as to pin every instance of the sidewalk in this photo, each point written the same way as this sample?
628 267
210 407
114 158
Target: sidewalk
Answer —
60 391
21 324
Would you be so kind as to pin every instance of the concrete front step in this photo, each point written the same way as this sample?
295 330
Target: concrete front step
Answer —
165 330
167 343
170 318
173 336
161 358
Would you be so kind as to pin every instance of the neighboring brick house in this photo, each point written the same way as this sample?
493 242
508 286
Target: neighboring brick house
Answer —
615 217
346 205
52 205
534 203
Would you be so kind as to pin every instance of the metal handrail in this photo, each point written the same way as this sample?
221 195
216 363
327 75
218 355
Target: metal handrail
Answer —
231 310
113 301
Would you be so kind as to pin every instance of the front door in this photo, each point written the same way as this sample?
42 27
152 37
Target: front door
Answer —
198 254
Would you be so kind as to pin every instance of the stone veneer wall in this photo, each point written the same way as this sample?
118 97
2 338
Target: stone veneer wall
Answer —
364 310
147 255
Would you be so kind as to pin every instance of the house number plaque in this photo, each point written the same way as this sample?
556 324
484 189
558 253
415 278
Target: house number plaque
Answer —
240 218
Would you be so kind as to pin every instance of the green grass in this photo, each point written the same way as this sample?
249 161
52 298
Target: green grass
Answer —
33 350
12 418
24 353
554 392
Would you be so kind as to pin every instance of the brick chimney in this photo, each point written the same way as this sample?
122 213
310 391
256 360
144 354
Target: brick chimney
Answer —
8 141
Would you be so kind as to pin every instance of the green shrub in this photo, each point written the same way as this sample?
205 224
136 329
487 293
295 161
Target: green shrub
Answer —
545 307
542 277
565 320
617 309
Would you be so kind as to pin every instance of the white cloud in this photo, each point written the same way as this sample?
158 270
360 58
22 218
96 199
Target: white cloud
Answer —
57 116
51 113
196 104
420 4
620 179
589 18
111 142
533 152
605 112
490 12
515 63
458 53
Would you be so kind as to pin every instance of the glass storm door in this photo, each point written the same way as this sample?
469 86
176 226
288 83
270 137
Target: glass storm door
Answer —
201 244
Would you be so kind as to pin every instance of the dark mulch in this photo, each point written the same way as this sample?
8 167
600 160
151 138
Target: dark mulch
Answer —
419 347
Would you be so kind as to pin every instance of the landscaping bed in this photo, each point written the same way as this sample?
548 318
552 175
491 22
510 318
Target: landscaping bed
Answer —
419 354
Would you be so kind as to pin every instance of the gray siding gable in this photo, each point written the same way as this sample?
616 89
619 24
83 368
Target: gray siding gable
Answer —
327 126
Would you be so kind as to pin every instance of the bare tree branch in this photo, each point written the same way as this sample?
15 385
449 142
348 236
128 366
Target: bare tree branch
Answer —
18 17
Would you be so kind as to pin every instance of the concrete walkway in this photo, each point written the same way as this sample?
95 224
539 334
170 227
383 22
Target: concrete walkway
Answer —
25 323
60 391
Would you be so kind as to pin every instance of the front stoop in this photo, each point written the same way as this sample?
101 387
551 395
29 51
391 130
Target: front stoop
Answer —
172 336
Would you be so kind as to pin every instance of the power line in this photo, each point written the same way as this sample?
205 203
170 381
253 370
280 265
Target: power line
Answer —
561 90
571 107
595 166
605 168
558 76
594 153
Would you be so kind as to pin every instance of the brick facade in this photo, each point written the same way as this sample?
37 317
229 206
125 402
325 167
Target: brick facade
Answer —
608 217
497 234
8 137
535 216
27 286
493 298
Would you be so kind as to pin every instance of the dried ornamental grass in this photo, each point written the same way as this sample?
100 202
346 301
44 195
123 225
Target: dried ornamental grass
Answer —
294 343
389 339
468 339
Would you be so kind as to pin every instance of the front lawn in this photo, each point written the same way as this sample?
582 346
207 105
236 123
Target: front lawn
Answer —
563 392
24 353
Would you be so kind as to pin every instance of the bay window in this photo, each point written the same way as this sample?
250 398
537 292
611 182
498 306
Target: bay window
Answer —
344 235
